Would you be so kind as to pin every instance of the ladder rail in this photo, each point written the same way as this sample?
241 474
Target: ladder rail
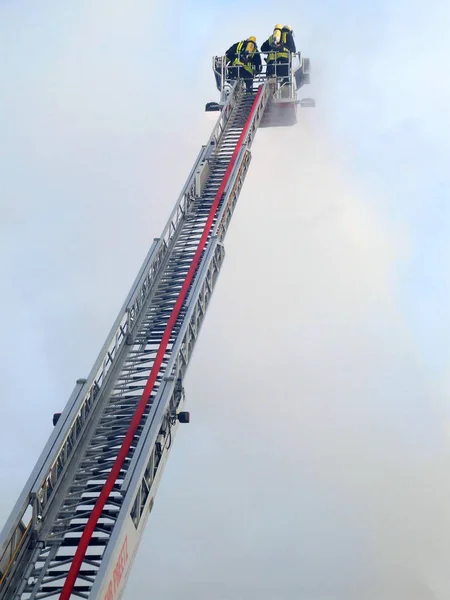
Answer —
114 474
52 463
186 259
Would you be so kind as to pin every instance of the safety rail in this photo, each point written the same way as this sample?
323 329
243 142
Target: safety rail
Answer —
285 89
51 466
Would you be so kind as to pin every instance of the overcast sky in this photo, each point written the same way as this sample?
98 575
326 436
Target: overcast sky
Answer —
316 464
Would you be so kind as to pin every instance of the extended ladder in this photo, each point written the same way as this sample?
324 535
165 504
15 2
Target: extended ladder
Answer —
77 524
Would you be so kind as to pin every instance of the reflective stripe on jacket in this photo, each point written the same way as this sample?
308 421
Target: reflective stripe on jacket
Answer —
237 62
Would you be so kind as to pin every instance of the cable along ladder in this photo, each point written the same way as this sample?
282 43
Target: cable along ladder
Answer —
76 526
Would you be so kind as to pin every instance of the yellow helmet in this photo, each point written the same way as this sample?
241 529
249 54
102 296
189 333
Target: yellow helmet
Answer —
277 27
252 39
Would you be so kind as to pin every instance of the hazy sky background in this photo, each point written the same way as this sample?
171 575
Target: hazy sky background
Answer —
316 464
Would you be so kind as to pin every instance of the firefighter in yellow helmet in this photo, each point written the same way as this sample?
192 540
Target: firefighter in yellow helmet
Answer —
244 61
279 47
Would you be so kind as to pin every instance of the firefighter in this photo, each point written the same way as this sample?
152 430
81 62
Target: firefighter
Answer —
279 46
244 61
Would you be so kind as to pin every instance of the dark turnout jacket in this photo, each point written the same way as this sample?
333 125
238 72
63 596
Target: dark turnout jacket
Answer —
234 56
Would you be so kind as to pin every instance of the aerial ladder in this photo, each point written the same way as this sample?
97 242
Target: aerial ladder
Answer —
76 526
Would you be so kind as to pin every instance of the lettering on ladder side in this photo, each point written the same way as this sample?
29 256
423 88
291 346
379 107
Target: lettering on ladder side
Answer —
119 569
